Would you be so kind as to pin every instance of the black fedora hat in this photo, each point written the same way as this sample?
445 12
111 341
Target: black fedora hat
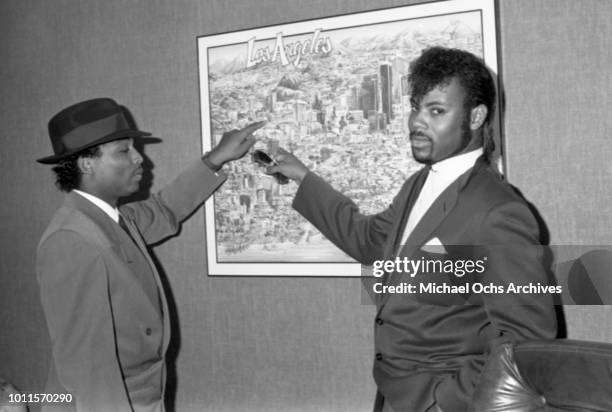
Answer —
87 124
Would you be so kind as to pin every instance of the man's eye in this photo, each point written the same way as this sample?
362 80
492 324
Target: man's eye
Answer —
437 110
414 109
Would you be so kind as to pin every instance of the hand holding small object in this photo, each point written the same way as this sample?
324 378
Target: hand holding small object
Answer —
263 159
288 165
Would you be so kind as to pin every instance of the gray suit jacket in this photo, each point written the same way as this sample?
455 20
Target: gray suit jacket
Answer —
430 349
103 299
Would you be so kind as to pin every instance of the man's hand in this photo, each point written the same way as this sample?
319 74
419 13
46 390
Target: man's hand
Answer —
288 165
234 144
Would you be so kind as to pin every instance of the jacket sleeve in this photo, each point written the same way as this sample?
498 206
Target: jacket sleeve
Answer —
338 218
76 303
160 216
509 239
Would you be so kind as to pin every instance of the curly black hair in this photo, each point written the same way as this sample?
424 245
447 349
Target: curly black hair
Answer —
67 173
438 66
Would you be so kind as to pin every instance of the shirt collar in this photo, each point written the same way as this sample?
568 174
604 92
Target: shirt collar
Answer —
112 212
457 165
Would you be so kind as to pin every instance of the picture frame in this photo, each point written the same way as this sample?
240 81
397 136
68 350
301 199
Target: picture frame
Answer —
333 92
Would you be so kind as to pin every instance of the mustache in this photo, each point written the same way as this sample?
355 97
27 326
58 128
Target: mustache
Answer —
418 134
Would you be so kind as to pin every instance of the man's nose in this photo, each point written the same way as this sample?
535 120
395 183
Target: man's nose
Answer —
136 156
416 121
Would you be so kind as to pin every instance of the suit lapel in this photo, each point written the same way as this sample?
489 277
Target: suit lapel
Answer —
139 240
411 193
411 197
116 237
430 221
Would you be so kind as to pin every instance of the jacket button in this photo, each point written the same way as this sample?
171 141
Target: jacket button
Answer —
148 331
379 321
379 356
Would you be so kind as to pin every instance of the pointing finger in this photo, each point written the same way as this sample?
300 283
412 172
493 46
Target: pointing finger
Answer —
253 126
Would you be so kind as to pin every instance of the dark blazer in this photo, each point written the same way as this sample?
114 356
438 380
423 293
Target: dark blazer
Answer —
103 300
431 349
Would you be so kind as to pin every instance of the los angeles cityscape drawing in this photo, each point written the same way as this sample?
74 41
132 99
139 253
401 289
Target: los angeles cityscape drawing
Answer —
339 100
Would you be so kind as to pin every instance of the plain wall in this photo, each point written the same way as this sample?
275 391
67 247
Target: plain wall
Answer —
274 344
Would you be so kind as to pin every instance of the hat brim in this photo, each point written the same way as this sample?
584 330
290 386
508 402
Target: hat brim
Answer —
143 137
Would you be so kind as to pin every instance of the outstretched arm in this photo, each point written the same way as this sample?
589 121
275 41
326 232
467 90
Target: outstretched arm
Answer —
363 237
160 216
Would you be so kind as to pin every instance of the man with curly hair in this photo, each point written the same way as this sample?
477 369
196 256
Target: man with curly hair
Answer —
100 290
429 348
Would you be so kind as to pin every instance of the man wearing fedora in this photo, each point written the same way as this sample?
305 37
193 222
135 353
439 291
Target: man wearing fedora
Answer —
100 291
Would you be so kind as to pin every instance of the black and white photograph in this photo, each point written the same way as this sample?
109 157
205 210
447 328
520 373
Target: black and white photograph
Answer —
305 206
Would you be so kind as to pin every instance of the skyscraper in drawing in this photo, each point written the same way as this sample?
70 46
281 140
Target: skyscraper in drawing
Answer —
386 90
369 95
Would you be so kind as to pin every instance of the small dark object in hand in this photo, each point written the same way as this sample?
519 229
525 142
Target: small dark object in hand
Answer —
263 159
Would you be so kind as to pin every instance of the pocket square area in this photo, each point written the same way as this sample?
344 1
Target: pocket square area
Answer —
433 245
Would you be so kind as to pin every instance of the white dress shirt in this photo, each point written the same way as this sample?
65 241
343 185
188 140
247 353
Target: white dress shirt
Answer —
440 177
112 212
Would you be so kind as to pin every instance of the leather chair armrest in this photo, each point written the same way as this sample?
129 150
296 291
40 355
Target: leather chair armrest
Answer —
548 375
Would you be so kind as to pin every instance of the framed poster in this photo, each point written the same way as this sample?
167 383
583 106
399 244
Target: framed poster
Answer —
333 92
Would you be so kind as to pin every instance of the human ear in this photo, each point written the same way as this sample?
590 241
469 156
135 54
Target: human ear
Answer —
85 165
478 116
